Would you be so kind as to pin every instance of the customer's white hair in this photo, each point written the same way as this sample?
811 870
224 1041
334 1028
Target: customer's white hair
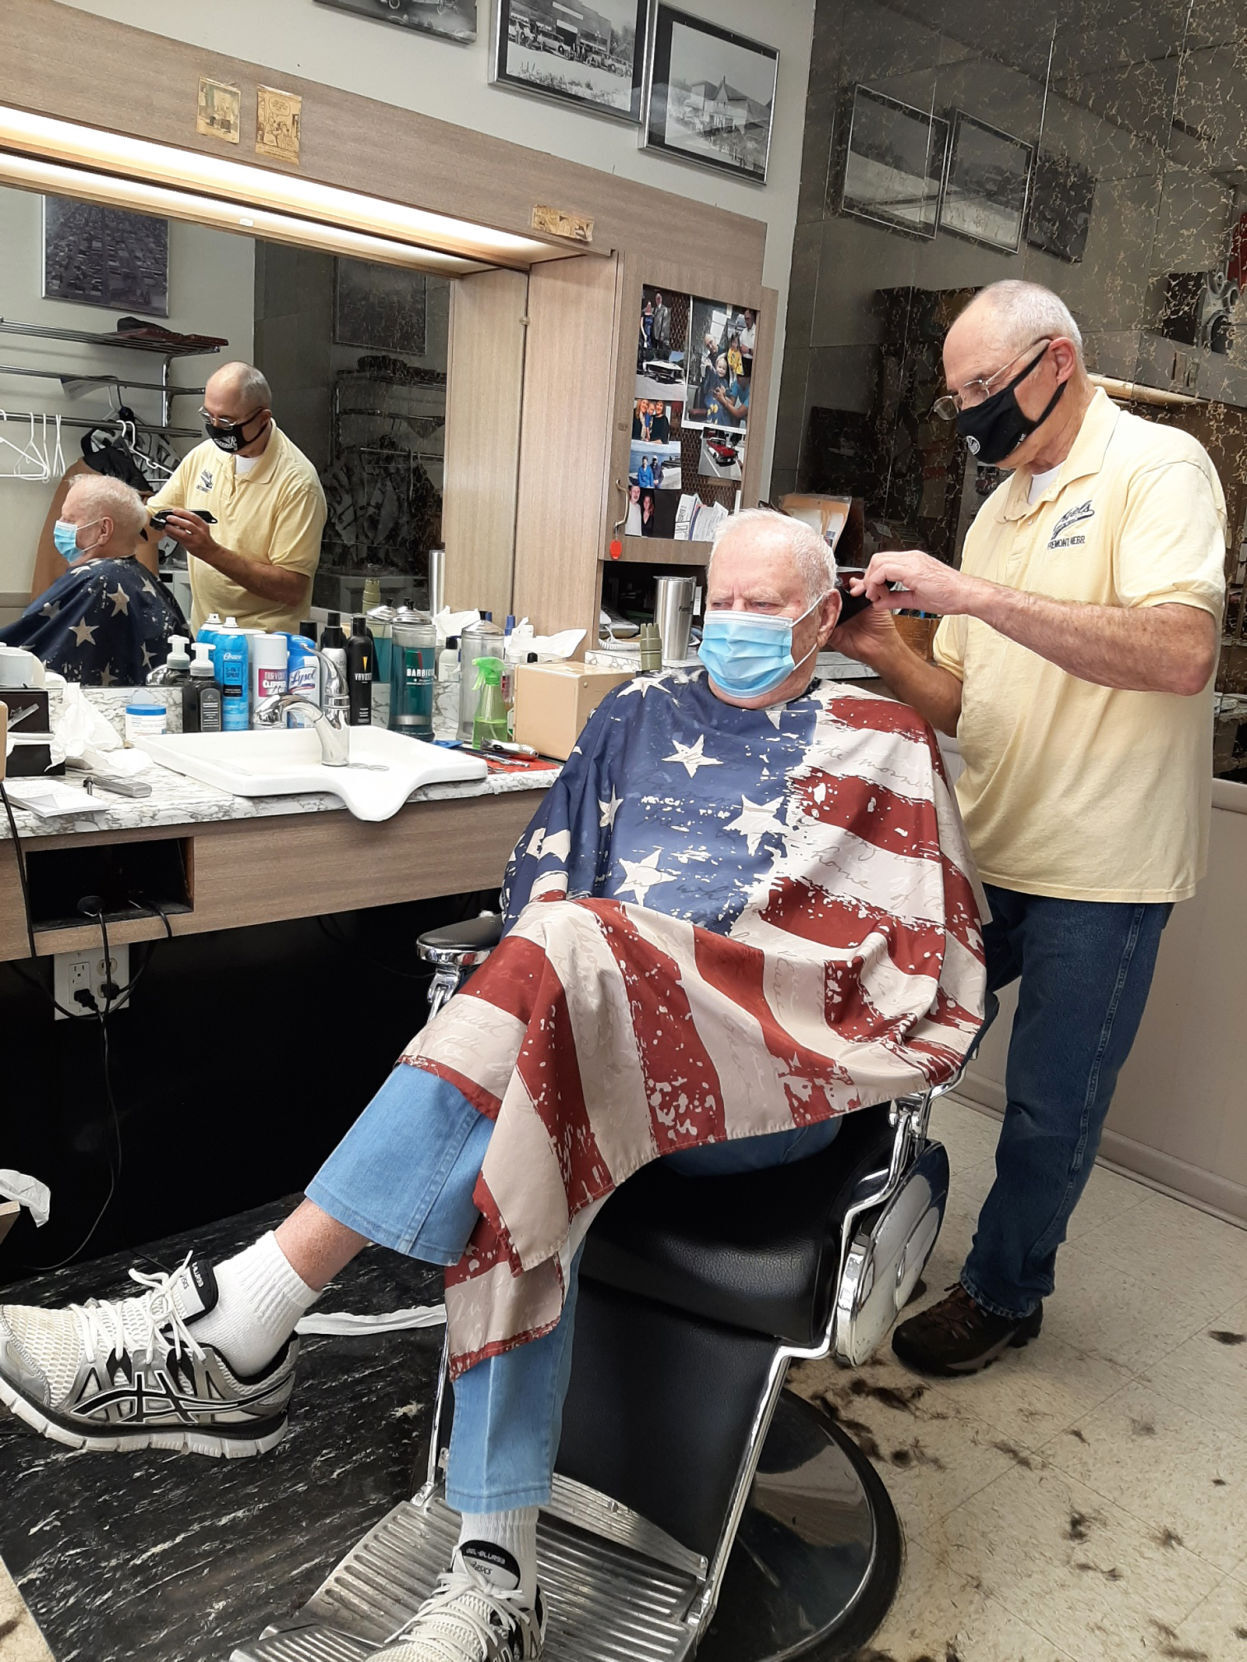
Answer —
1023 312
811 555
96 495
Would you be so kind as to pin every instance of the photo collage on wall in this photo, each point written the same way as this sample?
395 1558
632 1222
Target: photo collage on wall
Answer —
693 375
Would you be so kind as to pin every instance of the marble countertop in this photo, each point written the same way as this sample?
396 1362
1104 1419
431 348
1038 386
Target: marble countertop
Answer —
178 800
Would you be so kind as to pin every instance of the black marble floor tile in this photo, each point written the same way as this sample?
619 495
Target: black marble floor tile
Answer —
158 1557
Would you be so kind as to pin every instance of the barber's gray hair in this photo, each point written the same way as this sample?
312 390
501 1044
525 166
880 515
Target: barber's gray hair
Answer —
96 495
1027 311
250 383
812 556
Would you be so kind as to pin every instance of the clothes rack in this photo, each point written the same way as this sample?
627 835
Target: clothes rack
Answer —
164 349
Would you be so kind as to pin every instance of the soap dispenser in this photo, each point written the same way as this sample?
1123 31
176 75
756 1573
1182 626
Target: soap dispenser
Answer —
201 697
175 671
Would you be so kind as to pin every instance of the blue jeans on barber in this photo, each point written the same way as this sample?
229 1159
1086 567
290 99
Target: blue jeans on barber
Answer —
403 1176
1085 968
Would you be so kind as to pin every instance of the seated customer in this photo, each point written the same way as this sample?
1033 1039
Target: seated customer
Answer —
107 621
742 911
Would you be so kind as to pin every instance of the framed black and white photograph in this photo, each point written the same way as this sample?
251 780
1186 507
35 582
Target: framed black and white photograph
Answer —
1062 197
450 19
894 163
379 307
989 175
590 56
110 257
709 95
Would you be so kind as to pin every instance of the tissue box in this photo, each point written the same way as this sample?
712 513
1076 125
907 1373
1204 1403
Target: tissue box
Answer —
553 702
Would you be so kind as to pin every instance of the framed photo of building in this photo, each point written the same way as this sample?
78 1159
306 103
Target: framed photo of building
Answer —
381 308
589 56
449 19
100 256
894 163
988 184
709 95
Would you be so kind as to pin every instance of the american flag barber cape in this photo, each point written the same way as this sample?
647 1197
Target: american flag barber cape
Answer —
720 922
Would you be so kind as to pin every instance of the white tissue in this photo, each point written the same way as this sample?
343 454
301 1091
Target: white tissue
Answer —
391 1321
84 735
50 797
27 1192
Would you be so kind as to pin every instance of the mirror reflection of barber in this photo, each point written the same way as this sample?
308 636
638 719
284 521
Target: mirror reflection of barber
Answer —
257 562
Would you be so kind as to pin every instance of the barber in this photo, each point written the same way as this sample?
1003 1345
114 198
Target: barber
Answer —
1075 665
257 561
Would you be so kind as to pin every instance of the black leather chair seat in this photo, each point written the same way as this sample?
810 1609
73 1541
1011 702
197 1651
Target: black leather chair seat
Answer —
475 934
759 1250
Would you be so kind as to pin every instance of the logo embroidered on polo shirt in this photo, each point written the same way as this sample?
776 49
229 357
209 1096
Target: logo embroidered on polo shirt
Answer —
205 480
1072 517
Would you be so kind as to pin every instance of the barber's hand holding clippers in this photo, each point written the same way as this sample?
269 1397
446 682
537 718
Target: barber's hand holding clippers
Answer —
911 581
192 532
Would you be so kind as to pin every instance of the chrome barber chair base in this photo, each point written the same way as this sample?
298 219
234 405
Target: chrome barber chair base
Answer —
812 1573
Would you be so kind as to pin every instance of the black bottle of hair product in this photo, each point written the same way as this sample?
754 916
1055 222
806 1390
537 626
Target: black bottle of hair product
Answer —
359 661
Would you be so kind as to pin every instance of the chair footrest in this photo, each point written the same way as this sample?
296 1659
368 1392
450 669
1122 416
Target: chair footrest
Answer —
607 1604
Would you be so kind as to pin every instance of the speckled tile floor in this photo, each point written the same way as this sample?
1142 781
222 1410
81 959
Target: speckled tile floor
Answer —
1085 1500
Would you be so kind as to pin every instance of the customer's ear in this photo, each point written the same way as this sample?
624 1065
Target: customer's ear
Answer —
828 615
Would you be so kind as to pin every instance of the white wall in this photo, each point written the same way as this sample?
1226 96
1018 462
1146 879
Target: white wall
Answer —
211 292
419 72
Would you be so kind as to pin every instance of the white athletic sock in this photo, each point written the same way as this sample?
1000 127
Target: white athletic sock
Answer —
259 1300
515 1532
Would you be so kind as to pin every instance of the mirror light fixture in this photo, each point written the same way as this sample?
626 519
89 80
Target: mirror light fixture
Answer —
43 153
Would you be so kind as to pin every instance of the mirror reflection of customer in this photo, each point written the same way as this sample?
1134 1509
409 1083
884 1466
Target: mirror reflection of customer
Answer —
106 621
1075 664
257 562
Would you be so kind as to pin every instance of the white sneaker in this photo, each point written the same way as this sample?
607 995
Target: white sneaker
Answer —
128 1374
474 1615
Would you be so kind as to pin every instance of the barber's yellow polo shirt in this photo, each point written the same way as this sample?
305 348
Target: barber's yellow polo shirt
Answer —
275 511
1074 790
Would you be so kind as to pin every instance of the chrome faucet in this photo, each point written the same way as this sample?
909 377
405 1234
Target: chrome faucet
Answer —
330 722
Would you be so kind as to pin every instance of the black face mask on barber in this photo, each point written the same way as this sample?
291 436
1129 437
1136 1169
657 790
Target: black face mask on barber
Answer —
994 429
232 435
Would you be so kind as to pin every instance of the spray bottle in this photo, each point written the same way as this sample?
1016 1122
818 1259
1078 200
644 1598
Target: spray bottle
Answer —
230 657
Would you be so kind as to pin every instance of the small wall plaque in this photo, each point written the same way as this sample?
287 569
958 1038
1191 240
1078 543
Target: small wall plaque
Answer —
278 115
218 111
556 223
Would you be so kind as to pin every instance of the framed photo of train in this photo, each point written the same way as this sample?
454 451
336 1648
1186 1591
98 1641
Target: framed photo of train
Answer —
591 56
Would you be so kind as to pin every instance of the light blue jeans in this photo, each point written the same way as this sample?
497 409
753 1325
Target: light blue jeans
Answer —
403 1176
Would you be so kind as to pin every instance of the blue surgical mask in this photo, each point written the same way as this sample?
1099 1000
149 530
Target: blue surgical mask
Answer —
749 654
65 536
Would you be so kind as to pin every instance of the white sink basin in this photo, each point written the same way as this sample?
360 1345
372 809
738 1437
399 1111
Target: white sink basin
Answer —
383 770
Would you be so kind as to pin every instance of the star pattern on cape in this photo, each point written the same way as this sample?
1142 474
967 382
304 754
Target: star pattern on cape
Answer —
106 677
608 810
755 820
84 634
641 875
147 657
643 684
50 610
692 757
120 600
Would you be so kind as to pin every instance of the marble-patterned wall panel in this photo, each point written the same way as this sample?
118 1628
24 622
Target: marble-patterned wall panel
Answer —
1141 106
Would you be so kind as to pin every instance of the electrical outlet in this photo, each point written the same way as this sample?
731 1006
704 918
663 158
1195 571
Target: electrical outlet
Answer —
87 972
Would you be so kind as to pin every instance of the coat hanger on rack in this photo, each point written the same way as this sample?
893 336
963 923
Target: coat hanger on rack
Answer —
31 463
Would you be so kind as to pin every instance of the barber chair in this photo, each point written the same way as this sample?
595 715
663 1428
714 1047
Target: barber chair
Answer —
698 1507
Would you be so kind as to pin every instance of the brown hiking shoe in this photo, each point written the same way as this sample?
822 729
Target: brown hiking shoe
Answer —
958 1336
